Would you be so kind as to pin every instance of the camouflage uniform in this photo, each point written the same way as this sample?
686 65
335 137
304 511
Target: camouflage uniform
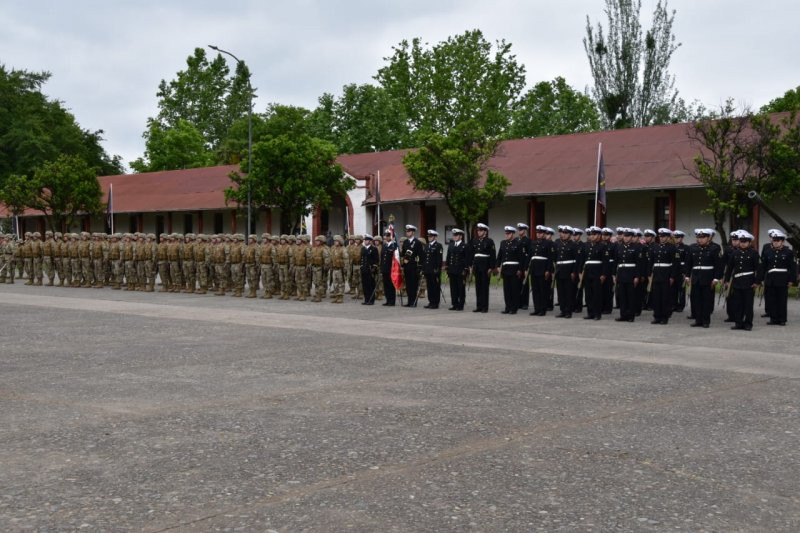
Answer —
320 265
266 256
97 254
115 260
236 264
6 259
201 262
340 265
190 283
283 260
25 256
174 258
219 256
251 265
128 254
85 261
47 258
36 258
301 256
162 260
58 258
355 260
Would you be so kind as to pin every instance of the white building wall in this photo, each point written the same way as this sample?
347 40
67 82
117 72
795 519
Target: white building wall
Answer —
357 197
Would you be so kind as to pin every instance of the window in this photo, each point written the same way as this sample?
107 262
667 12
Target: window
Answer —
662 212
539 215
187 223
217 222
133 226
159 227
430 219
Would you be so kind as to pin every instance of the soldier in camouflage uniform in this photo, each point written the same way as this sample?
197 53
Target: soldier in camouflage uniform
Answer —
115 261
36 257
85 261
128 253
283 260
162 260
355 260
58 264
320 265
275 242
97 255
266 260
219 256
150 265
252 268
189 281
66 258
301 261
174 258
340 265
6 259
47 258
202 258
25 256
237 264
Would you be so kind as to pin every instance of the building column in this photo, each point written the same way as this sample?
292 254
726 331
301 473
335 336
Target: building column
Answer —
169 222
673 205
233 220
756 224
316 222
532 213
199 216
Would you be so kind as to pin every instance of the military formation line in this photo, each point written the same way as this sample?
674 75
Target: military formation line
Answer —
627 269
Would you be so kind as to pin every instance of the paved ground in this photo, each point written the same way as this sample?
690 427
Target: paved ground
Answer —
166 411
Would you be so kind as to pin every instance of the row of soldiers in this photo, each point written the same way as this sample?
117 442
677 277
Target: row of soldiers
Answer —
286 266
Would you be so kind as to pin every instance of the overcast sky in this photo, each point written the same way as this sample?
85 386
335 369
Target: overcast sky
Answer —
107 57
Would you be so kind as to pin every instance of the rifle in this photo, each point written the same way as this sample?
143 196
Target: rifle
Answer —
760 295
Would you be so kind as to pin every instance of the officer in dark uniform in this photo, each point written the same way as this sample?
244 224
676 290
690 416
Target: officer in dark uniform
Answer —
524 243
733 245
650 242
540 270
742 276
580 249
779 272
551 296
631 267
510 264
608 284
680 282
481 261
641 288
664 269
595 270
566 257
704 268
432 268
411 258
369 270
456 269
387 254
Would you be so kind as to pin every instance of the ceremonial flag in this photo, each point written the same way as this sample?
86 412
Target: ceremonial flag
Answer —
600 188
110 207
397 272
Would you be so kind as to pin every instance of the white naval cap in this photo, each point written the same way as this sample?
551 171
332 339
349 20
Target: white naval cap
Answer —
664 231
522 225
510 229
481 225
433 232
411 227
778 234
456 231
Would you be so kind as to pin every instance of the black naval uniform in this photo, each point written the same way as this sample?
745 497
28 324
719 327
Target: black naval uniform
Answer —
524 295
726 258
704 264
742 272
511 262
540 271
577 299
778 270
664 270
432 268
595 269
631 267
387 253
680 286
566 257
641 288
410 257
369 269
456 267
608 284
480 258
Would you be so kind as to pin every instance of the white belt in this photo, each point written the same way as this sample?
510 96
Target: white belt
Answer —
593 262
568 262
771 270
683 263
510 263
540 258
742 274
664 265
481 255
626 265
703 268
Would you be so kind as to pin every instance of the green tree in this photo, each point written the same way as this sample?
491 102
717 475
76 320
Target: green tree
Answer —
790 101
64 189
460 79
554 108
179 147
18 193
367 119
632 83
776 153
35 129
455 166
293 172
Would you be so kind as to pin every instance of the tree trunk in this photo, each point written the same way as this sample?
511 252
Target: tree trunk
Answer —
719 225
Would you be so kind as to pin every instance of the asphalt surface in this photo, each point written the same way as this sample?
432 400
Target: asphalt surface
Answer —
138 411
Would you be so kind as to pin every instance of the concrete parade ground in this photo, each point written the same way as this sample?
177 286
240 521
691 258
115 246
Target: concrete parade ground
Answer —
162 411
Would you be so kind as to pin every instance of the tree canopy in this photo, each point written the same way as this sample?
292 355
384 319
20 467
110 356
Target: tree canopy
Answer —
790 101
65 188
181 146
455 166
553 108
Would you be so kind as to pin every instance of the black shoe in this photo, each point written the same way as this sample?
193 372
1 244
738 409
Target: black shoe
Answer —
512 312
773 323
387 303
589 317
748 327
690 317
504 311
523 307
432 306
665 322
484 310
409 305
654 321
427 306
367 303
533 313
620 319
568 315
460 308
696 325
728 320
452 308
765 315
706 325
479 310
737 326
561 315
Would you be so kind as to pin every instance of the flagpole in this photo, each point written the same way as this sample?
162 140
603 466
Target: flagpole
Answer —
379 201
111 194
597 181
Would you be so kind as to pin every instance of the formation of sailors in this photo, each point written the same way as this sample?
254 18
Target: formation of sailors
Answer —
636 270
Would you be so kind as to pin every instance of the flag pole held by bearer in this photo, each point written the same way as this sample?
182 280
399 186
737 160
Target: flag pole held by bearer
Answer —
600 186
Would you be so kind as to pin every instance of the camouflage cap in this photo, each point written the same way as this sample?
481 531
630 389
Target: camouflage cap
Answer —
36 234
151 236
358 237
284 237
338 238
320 238
275 238
190 236
48 232
291 238
57 234
27 234
266 236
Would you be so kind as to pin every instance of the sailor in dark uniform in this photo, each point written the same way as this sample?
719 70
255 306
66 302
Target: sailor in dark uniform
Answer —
594 271
608 285
779 272
432 269
650 242
481 261
641 288
510 263
456 269
410 260
680 283
664 269
369 270
580 249
733 245
524 243
566 258
631 267
551 297
704 268
742 276
387 255
540 270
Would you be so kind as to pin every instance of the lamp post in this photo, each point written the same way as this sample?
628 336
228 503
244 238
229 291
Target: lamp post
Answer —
249 137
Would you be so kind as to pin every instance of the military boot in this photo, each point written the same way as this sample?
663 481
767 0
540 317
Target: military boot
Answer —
252 293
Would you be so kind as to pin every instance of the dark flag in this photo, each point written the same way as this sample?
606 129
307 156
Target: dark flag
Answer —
601 184
110 208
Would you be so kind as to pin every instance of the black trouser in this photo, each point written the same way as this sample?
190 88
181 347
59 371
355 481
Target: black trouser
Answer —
775 301
434 281
411 276
388 288
740 303
577 298
482 290
626 300
593 288
661 299
541 293
641 295
368 284
566 294
679 291
702 298
524 293
457 290
608 295
511 289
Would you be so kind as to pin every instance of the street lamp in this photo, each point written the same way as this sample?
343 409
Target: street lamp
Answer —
249 137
